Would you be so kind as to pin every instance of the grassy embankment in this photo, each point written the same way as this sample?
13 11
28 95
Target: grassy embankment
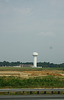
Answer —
49 81
37 82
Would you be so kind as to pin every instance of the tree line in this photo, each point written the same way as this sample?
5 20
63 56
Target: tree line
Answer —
48 64
40 64
6 63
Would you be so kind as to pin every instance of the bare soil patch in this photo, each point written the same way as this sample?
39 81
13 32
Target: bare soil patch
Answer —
28 74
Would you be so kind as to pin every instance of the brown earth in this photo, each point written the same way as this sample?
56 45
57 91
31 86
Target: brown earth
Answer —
27 74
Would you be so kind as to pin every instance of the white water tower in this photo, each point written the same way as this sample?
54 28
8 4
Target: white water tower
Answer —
35 54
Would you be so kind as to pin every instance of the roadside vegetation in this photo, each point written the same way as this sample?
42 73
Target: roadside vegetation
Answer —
28 77
37 82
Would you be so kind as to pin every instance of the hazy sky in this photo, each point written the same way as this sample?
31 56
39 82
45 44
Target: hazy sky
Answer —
32 25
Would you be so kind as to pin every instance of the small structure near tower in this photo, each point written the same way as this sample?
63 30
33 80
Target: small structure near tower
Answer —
35 54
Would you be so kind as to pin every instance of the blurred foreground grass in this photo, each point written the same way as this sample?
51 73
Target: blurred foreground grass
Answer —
36 82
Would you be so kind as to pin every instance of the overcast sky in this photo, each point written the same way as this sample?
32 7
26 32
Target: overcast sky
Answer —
32 25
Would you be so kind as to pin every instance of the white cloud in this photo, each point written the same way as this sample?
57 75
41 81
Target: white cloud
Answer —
23 11
53 2
50 34
6 1
57 3
16 11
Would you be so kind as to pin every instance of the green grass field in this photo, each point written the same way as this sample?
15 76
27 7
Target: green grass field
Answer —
29 68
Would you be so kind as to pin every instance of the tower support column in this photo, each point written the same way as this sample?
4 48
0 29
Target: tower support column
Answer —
35 54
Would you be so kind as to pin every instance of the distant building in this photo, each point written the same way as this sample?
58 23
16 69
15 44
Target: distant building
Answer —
26 65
